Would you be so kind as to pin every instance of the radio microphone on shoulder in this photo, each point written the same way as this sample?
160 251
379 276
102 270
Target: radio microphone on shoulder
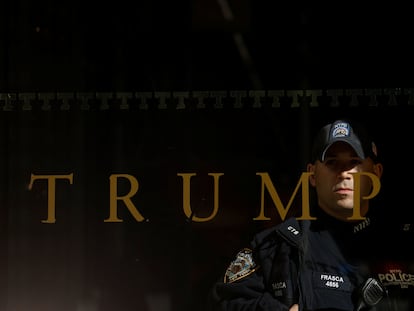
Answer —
371 293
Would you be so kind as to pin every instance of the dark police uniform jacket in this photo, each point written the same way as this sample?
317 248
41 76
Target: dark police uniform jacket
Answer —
321 264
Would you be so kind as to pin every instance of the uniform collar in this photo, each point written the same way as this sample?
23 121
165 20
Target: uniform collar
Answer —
325 221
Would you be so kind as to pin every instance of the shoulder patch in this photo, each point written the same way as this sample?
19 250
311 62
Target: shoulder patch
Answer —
241 267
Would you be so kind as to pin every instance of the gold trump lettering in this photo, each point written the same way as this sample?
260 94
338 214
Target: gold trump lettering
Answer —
376 186
187 197
114 198
51 193
266 184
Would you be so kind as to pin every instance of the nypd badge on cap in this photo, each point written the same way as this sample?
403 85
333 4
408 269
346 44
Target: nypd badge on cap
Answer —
241 267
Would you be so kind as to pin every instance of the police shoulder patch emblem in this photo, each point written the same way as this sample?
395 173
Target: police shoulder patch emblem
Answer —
241 267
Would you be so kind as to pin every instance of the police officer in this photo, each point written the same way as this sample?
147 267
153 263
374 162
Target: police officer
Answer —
334 261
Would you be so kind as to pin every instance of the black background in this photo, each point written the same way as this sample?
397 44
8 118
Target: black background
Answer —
189 45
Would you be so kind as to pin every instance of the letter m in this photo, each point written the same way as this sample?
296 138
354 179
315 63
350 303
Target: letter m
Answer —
268 185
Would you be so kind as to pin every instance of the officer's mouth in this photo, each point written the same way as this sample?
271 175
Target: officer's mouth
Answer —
343 191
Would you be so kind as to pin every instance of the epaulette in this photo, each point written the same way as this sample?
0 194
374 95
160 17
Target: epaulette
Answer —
292 230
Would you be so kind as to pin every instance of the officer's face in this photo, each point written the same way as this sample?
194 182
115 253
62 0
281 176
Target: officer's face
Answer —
334 180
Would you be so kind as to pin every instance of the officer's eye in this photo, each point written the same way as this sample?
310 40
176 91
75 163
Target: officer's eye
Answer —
348 164
355 162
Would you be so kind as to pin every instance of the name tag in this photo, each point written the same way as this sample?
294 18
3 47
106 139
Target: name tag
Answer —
331 281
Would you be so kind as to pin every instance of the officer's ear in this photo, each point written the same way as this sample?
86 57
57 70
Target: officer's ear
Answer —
311 169
378 169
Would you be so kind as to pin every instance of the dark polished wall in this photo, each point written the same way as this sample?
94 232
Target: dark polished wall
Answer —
81 260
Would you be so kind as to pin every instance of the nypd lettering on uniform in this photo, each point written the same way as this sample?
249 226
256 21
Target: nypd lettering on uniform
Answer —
362 225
